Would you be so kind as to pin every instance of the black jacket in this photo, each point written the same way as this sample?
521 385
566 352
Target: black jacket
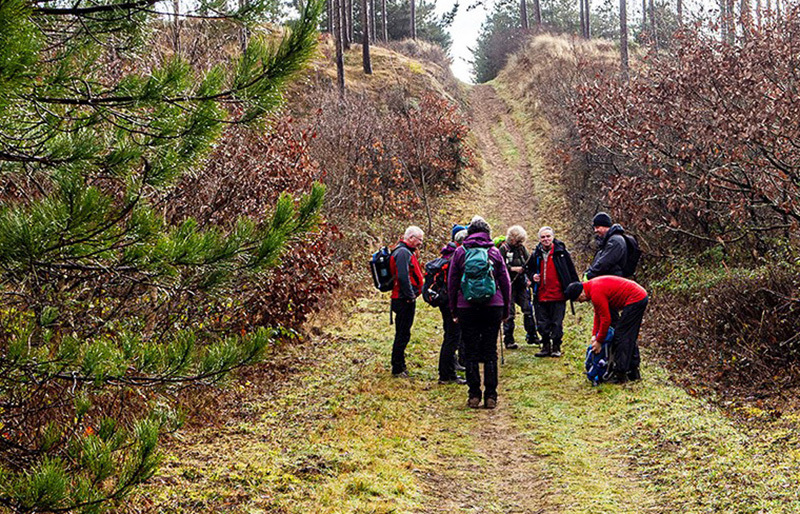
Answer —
562 261
514 256
611 256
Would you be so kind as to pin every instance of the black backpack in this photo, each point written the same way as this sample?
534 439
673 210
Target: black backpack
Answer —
434 289
381 271
634 253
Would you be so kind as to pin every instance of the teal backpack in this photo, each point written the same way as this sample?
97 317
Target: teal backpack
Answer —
477 283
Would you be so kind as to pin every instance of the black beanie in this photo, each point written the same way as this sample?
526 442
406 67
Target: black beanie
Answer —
601 219
573 291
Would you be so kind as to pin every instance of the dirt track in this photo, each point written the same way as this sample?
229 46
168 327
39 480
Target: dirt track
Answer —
511 474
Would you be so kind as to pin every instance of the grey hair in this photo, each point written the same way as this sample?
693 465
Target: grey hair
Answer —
413 230
547 228
460 236
516 234
476 218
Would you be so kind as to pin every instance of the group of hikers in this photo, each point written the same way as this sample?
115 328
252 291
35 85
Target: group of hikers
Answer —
477 283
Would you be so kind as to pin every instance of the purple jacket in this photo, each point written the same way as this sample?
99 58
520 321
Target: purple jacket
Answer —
502 298
448 250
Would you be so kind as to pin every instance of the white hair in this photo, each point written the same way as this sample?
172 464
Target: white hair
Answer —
413 230
545 229
476 218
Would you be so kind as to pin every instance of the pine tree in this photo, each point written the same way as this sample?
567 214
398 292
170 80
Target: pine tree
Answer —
104 303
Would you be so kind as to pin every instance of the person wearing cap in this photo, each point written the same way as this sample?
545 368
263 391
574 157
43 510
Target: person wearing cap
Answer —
612 252
452 331
609 294
552 270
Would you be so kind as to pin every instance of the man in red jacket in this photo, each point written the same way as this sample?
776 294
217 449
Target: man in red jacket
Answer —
408 280
607 293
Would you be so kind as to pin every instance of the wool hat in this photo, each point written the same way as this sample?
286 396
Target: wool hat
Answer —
573 291
601 219
456 229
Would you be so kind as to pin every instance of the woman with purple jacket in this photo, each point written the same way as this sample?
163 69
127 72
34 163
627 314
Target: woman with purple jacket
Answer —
480 322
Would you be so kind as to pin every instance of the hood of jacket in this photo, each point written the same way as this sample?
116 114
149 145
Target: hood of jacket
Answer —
478 239
448 250
616 229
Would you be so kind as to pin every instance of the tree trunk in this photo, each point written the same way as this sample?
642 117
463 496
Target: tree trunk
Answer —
367 62
338 36
244 34
653 24
413 19
731 20
537 14
523 14
588 21
644 17
176 7
347 14
623 38
350 23
385 24
583 23
373 23
680 12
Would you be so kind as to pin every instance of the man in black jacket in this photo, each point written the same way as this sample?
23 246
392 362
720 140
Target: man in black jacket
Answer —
551 270
612 252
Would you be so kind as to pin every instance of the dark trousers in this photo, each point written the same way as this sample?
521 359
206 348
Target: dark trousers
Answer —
520 295
625 346
480 327
450 342
550 321
404 318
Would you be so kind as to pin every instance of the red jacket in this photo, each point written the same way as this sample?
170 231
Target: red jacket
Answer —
610 292
407 272
550 288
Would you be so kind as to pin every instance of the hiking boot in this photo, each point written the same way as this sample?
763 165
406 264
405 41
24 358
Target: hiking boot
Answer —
555 353
454 380
531 339
618 377
634 375
474 403
402 374
546 349
512 346
556 349
491 403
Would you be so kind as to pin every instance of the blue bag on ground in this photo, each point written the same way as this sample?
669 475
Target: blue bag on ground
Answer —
597 364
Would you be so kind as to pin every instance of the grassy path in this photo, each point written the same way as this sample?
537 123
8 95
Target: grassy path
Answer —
329 430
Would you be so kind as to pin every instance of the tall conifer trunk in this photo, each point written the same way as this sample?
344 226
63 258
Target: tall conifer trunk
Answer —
338 36
413 20
523 14
623 38
366 61
385 22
